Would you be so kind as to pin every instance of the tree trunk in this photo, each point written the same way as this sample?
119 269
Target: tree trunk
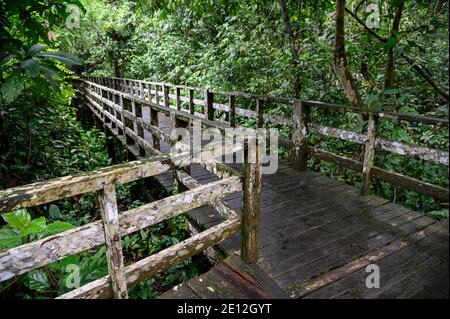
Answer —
340 58
389 78
293 35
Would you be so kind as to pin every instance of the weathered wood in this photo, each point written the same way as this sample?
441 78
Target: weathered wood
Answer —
110 218
19 260
300 136
222 208
209 100
251 205
406 182
159 262
140 129
259 113
191 102
369 154
356 264
178 98
425 153
232 112
58 188
166 96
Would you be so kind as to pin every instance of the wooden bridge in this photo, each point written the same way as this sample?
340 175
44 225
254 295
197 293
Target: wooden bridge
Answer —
293 234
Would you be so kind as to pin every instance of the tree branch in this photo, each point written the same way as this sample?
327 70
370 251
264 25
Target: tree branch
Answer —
340 58
419 69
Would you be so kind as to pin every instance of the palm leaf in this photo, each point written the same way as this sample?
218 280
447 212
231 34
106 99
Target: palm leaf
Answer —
63 57
34 49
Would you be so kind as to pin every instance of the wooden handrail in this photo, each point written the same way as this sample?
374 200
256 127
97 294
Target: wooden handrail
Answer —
301 124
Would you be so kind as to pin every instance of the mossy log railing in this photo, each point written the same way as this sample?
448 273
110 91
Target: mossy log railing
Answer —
219 109
115 225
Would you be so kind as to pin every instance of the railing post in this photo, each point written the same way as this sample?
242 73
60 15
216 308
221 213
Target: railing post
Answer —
191 102
157 94
140 129
259 113
178 99
251 203
120 115
369 153
166 95
128 123
110 217
232 112
154 121
300 118
141 90
209 101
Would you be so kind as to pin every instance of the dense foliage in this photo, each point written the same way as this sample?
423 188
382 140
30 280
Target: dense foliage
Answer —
252 46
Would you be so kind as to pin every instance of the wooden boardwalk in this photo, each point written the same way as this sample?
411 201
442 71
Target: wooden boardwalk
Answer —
317 234
317 237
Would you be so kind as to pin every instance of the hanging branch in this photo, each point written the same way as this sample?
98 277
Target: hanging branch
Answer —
340 59
294 37
418 68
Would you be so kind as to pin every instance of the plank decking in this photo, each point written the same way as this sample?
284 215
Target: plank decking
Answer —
317 237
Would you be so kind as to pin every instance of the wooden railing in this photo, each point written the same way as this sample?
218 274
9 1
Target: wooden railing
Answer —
114 224
119 96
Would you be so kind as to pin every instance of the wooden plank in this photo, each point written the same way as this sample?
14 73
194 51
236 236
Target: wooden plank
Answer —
425 153
300 137
251 205
62 187
369 154
209 100
372 257
232 113
19 260
382 174
110 218
159 262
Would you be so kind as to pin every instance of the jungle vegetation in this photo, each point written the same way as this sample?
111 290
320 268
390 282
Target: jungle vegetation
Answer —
388 55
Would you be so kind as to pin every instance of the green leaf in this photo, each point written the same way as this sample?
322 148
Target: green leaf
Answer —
63 57
19 219
54 212
36 226
12 87
9 238
31 67
34 49
38 280
53 72
390 43
56 227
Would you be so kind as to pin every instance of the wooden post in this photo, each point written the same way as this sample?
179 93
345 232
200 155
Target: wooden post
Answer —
178 99
178 185
369 153
110 217
141 90
166 95
300 119
191 102
156 94
232 113
209 100
128 122
140 129
120 115
154 121
259 113
112 109
251 204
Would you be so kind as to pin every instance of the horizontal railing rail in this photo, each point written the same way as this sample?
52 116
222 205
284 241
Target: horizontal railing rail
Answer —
114 224
179 101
